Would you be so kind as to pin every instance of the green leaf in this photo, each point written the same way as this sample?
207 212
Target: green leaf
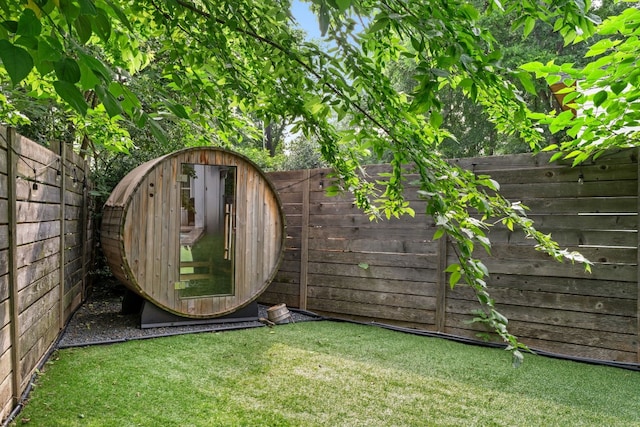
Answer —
87 7
363 265
323 19
435 118
178 110
120 14
343 5
452 268
600 97
618 87
46 52
381 21
96 66
72 95
82 25
102 25
29 24
527 82
29 42
88 79
109 101
454 278
157 131
16 60
11 26
529 25
438 234
68 70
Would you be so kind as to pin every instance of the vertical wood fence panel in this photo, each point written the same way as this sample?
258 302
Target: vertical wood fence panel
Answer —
393 271
42 221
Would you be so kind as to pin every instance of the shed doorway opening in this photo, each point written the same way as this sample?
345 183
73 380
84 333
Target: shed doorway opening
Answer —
207 230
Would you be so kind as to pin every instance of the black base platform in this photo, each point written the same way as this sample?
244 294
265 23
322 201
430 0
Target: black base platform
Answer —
152 316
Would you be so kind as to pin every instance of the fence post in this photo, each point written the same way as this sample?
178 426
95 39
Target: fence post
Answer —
63 183
12 175
304 244
441 291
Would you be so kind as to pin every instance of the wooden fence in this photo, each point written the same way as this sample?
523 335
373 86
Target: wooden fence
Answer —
45 250
338 262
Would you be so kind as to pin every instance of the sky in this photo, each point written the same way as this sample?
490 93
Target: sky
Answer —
307 21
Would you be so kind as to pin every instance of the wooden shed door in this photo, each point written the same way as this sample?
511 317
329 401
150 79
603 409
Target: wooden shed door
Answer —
207 230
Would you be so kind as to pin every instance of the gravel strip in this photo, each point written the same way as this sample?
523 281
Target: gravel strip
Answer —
99 321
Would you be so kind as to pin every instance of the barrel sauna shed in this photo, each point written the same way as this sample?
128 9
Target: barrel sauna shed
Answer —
199 232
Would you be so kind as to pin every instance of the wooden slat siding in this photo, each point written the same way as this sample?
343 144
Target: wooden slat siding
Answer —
638 264
173 262
341 237
441 284
6 371
155 288
34 273
12 307
6 404
147 262
286 284
304 247
31 222
556 307
168 186
64 183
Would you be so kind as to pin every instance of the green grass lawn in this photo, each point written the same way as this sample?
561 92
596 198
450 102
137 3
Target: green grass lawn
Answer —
323 374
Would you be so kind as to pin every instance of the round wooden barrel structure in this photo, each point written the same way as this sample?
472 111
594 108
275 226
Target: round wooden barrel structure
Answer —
199 233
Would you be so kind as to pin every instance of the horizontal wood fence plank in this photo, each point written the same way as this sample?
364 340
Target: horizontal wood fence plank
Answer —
37 212
562 285
589 321
403 287
389 273
520 161
420 247
379 312
30 315
38 288
4 236
29 274
597 255
31 252
607 340
557 301
385 259
3 186
580 205
4 265
557 347
4 287
5 344
610 222
586 189
4 211
273 298
374 298
575 237
360 220
559 174
551 268
36 192
36 231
